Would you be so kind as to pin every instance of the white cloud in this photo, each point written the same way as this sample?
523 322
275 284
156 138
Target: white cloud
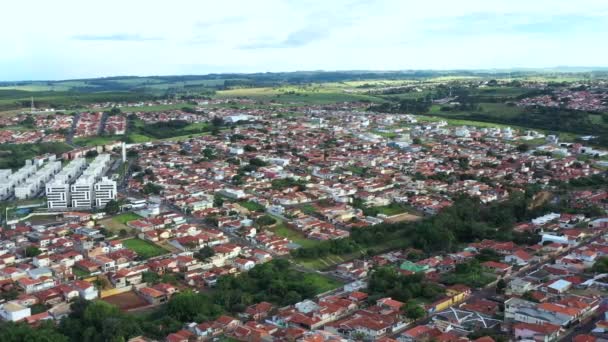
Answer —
69 38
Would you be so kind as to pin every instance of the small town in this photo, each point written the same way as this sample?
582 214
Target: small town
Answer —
312 195
304 171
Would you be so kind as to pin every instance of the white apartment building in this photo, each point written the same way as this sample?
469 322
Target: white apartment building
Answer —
81 193
58 190
105 191
90 189
34 184
58 195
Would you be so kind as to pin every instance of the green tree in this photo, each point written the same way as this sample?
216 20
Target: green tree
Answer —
523 147
204 253
20 332
413 311
112 207
32 251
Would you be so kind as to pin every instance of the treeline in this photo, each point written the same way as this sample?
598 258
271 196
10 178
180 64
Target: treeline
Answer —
465 221
387 282
413 106
13 156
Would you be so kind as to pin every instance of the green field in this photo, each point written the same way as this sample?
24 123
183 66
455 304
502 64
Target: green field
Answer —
97 141
391 209
321 283
282 230
316 94
126 217
155 108
143 248
251 206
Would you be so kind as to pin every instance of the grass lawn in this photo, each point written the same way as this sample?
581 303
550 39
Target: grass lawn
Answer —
321 283
251 206
391 209
96 141
388 135
282 230
330 260
126 217
80 273
143 248
139 138
308 209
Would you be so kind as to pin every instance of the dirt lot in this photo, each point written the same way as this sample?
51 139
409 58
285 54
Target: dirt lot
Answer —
403 217
126 301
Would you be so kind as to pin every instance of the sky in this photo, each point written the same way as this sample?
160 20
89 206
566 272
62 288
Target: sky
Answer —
65 39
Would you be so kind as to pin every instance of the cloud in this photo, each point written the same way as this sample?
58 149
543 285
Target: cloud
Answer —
116 37
298 38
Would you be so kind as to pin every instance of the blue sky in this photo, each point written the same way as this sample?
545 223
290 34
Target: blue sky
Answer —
65 39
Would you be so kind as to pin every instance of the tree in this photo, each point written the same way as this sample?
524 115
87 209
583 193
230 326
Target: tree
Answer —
151 188
218 201
32 251
123 233
501 285
413 311
265 220
19 332
112 207
257 162
217 121
91 154
249 148
204 253
523 147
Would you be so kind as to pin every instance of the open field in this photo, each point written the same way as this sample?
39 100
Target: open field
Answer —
308 95
126 217
320 282
282 230
155 108
251 206
143 248
98 140
327 262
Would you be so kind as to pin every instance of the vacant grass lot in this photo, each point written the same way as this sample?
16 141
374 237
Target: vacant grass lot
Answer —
126 217
96 141
251 206
143 248
282 230
321 283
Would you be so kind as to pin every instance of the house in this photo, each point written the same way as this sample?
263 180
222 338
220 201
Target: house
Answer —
519 258
519 286
35 285
497 267
180 336
13 311
259 311
559 286
243 265
85 289
538 332
152 295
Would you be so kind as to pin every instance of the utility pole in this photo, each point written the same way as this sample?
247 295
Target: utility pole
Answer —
32 106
